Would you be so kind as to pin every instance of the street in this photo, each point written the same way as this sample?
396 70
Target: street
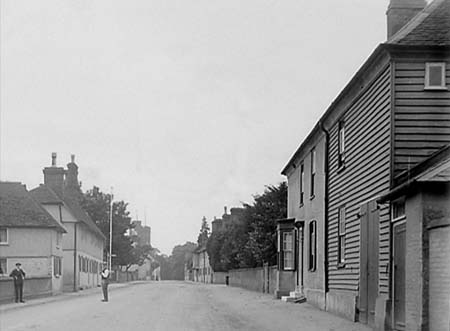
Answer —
172 306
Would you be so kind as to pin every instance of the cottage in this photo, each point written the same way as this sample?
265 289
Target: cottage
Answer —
28 235
393 115
83 244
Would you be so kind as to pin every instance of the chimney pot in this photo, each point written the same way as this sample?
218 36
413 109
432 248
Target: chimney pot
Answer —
53 159
72 158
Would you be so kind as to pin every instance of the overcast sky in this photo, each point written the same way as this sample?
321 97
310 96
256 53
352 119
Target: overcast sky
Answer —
183 106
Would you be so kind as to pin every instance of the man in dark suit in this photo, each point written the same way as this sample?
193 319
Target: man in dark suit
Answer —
18 275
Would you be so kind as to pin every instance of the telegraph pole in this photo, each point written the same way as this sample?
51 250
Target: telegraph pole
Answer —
110 229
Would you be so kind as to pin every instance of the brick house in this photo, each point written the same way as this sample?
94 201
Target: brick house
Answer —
391 116
83 244
421 245
31 236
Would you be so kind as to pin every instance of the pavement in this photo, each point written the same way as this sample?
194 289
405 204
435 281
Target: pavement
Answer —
167 306
4 307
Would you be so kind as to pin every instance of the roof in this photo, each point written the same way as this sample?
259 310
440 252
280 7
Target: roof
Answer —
431 27
71 197
436 168
19 209
45 195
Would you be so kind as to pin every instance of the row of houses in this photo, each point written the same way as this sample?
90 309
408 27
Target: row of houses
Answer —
49 233
367 235
368 228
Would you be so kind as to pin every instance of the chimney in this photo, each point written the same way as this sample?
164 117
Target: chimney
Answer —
225 210
401 12
54 177
72 173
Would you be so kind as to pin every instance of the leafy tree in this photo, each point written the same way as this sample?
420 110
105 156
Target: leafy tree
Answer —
97 205
181 254
204 233
261 217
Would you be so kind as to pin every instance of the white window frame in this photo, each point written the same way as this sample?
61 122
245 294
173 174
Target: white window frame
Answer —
302 184
429 65
5 271
7 236
288 247
341 143
341 234
401 217
313 173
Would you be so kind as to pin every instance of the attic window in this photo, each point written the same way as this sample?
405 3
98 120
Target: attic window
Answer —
435 76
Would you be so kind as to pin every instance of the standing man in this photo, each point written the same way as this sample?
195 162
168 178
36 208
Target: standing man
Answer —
105 281
18 275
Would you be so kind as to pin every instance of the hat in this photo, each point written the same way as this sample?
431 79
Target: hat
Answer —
18 264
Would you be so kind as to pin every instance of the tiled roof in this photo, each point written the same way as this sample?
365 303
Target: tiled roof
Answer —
431 27
72 202
19 209
71 199
45 195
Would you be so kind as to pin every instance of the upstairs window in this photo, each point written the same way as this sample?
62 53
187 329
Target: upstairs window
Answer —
341 144
313 171
435 76
288 250
341 235
312 261
3 236
302 184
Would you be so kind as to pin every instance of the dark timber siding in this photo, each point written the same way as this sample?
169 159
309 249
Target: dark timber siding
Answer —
366 176
422 118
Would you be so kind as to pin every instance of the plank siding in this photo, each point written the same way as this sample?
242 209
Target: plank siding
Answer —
421 119
366 175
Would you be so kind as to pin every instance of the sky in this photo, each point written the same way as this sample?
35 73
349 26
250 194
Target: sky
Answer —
182 106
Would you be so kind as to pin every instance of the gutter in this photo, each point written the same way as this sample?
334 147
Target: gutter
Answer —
326 203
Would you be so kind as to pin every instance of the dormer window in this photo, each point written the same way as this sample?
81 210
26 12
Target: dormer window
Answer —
435 76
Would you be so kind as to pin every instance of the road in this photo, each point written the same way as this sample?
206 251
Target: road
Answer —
172 306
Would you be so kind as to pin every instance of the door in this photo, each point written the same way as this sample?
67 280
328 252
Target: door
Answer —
399 275
368 272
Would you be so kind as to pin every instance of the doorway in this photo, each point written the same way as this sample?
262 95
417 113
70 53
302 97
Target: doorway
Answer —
399 275
368 272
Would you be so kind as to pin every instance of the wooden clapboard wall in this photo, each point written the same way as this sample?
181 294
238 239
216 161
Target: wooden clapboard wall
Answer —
422 118
366 175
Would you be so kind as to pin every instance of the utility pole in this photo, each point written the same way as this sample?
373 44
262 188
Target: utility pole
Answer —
110 229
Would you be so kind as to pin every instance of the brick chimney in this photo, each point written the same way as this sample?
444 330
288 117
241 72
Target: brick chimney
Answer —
54 177
72 173
401 12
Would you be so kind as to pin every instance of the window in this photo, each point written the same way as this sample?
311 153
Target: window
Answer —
57 266
398 210
288 250
312 261
3 266
341 235
302 184
313 170
4 236
435 75
341 142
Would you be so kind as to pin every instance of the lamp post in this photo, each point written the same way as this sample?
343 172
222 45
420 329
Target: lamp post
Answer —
110 229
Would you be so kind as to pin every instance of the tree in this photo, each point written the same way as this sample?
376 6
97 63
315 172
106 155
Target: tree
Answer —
261 218
97 205
251 241
204 233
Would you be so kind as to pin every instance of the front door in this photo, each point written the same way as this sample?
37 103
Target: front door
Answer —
399 275
368 273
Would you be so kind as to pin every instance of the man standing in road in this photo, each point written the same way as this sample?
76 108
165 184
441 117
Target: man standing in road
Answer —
18 275
105 280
